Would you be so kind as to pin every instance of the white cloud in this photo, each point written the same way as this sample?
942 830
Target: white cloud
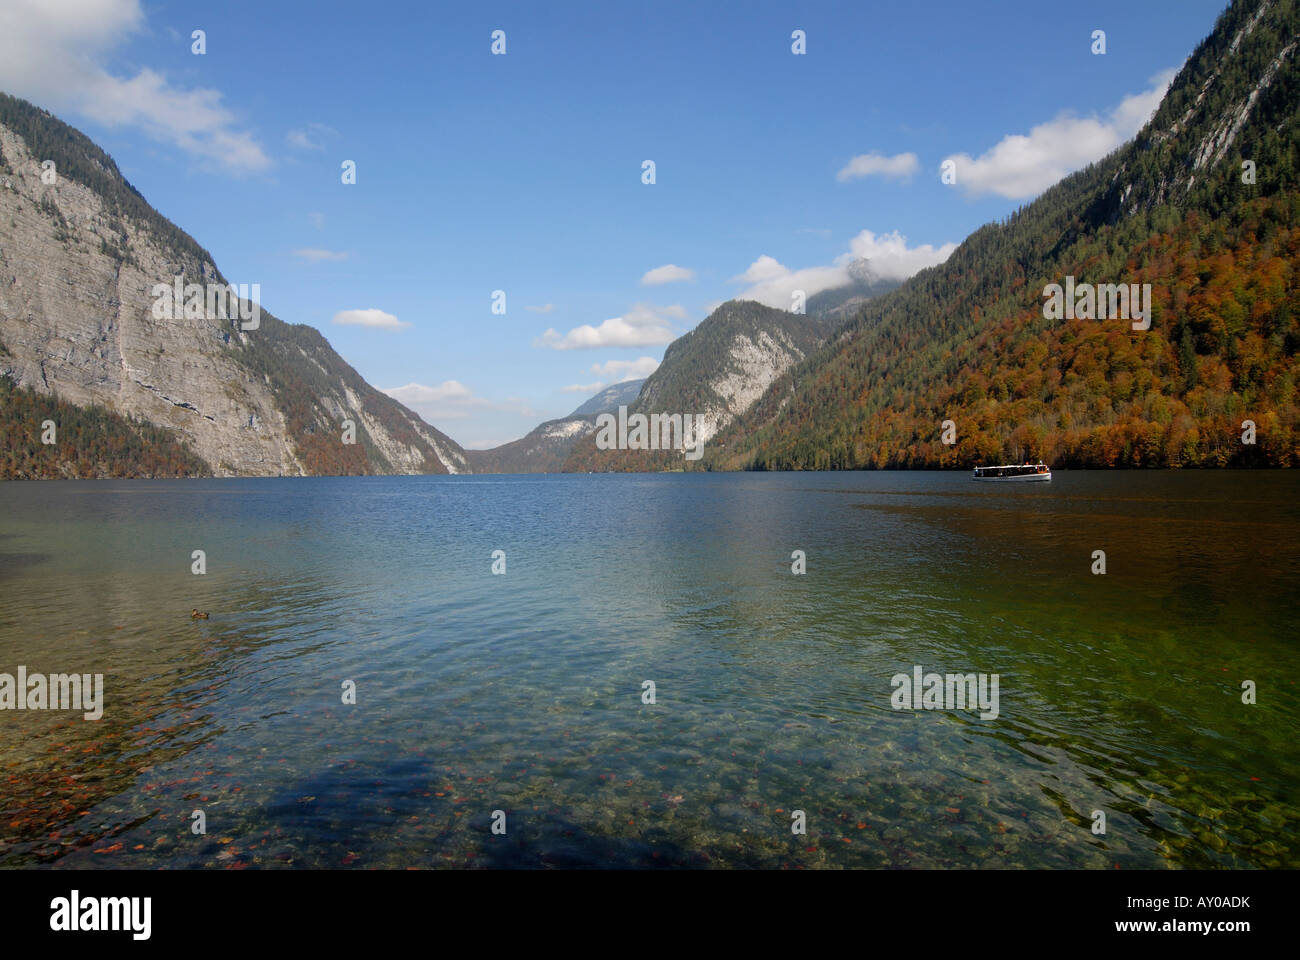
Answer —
310 137
449 400
452 400
763 269
369 318
616 371
544 308
54 53
316 255
773 283
898 167
452 391
888 257
668 273
644 325
1021 166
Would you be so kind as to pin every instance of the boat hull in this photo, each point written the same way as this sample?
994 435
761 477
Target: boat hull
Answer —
1027 478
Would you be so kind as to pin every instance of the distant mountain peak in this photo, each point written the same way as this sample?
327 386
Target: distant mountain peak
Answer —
861 272
610 399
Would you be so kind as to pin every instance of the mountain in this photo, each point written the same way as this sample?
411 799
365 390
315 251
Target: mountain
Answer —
87 442
83 261
715 371
543 450
1203 205
547 446
839 304
611 398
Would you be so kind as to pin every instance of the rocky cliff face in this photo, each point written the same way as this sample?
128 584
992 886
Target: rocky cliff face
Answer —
716 372
79 267
76 319
726 363
1236 94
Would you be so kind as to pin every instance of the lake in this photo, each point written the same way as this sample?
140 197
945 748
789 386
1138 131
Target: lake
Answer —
524 691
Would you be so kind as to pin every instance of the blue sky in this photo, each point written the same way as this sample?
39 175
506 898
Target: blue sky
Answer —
522 172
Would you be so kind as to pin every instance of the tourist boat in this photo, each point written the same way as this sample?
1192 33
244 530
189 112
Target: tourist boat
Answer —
1014 472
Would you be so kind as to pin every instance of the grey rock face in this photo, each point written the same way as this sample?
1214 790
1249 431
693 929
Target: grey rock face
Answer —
78 319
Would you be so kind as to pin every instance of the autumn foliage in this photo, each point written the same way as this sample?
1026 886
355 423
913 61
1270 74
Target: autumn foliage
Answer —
91 442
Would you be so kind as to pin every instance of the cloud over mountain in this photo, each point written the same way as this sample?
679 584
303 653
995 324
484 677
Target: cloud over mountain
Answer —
55 54
888 257
1024 165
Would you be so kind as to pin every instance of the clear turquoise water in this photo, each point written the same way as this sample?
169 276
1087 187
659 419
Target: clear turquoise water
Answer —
522 692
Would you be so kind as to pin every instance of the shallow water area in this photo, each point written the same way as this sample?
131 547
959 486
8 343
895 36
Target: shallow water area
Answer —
522 692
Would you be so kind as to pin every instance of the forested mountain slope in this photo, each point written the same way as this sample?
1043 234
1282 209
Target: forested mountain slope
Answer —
968 340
